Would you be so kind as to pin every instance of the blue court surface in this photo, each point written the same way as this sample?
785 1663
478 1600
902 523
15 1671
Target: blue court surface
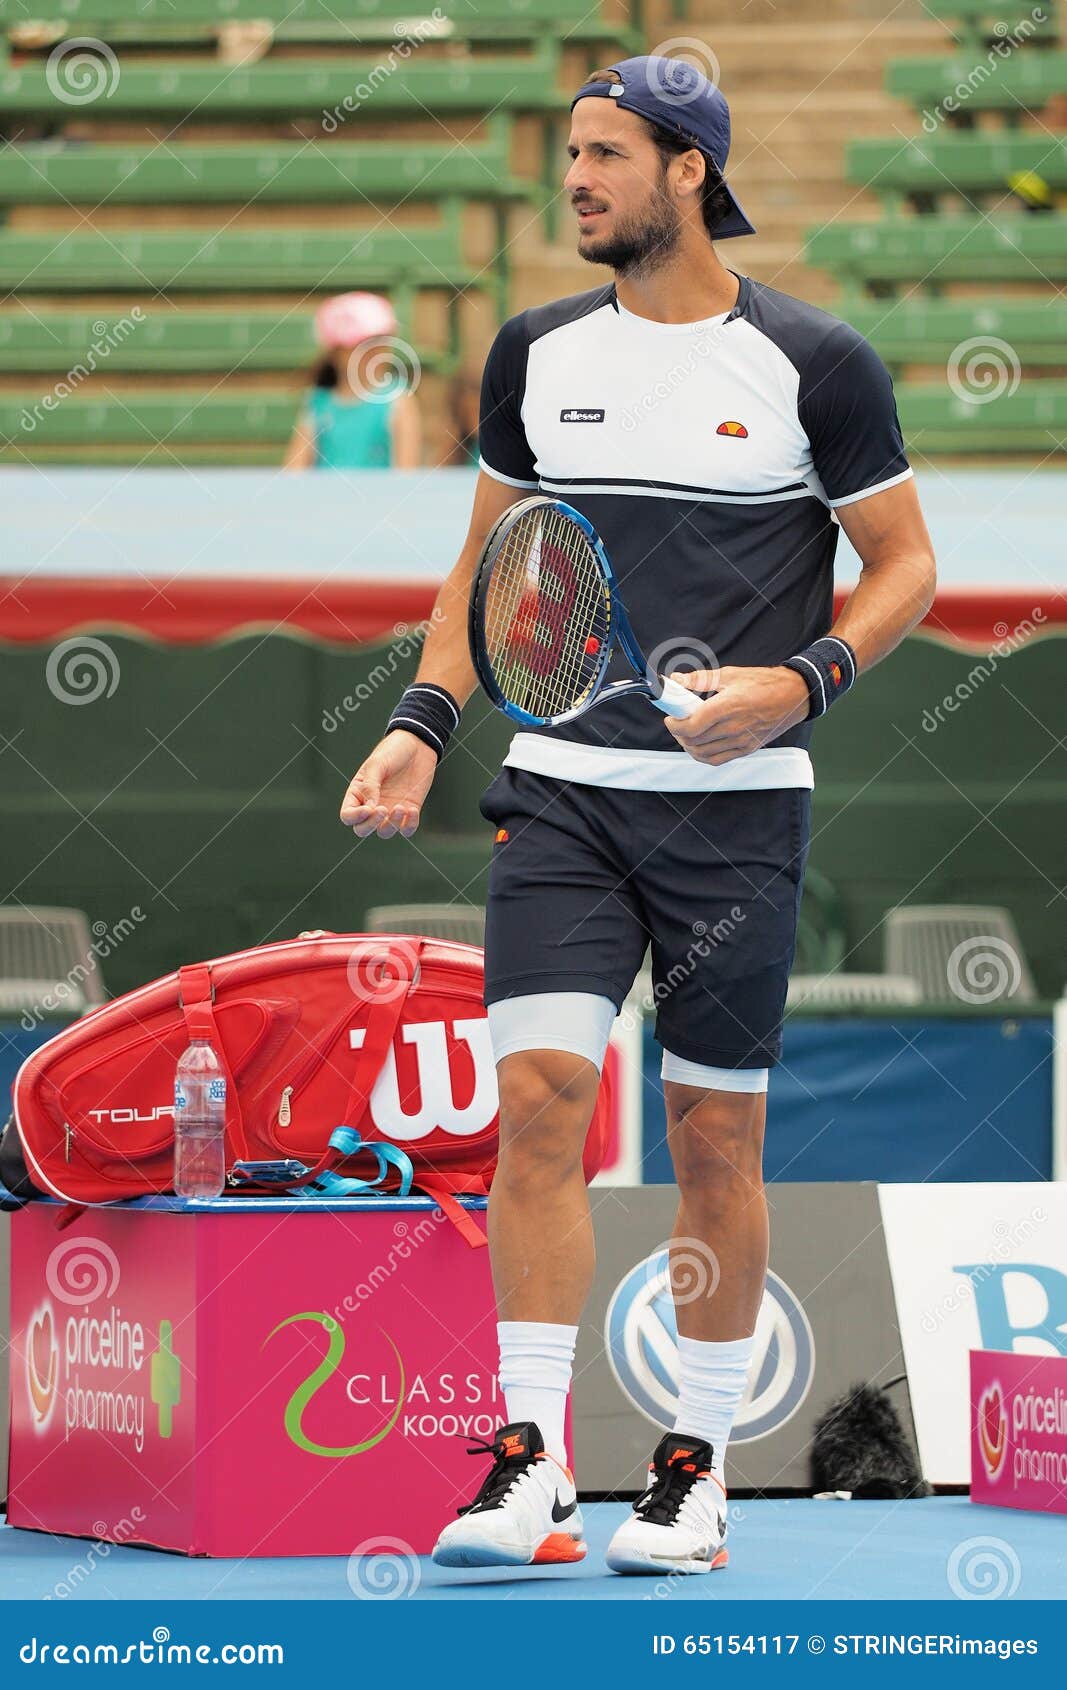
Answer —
937 1549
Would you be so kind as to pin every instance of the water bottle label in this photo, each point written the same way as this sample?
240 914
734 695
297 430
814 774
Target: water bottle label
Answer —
216 1091
180 1099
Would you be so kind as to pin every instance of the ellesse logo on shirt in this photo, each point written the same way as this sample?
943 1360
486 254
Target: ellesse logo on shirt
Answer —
579 413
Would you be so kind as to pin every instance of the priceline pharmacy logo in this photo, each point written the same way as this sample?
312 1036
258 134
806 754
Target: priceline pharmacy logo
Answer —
94 1358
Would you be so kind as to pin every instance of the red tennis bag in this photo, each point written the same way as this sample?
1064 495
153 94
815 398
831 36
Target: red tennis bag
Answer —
386 1034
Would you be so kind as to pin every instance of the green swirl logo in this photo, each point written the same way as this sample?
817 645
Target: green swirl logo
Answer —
331 1361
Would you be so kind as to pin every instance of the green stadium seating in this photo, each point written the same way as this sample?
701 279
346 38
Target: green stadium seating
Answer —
956 163
164 23
943 249
335 91
196 260
977 22
175 418
1033 419
46 172
921 331
164 340
1015 83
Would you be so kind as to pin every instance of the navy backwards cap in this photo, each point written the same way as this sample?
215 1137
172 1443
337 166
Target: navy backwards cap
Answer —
677 96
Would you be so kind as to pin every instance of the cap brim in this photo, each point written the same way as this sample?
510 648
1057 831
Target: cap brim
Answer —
734 223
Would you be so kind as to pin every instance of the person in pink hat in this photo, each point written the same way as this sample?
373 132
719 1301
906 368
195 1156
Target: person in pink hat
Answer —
360 411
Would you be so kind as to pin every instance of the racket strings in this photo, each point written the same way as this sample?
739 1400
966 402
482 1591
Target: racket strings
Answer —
547 614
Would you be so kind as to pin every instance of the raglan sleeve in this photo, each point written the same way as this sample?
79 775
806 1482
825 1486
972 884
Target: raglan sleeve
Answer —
504 451
847 409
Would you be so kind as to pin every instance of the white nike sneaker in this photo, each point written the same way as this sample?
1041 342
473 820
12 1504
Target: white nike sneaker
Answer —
679 1524
525 1514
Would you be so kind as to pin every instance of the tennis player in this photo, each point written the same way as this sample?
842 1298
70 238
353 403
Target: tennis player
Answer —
715 432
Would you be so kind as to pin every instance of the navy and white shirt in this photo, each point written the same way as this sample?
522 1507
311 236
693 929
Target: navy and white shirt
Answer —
709 457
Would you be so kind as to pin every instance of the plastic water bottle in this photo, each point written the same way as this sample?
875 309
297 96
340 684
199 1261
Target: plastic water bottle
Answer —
199 1123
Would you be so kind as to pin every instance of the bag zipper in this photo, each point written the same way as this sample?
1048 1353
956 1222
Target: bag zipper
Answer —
285 1108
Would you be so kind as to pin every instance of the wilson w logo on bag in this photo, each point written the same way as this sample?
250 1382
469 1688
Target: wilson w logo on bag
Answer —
384 1034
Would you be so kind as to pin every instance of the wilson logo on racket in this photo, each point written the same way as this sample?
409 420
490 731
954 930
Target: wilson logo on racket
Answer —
736 430
576 414
545 620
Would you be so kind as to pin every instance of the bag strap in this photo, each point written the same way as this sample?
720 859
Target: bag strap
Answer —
384 1017
452 1209
346 1142
196 1000
322 1181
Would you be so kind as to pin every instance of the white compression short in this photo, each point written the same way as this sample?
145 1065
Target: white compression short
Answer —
581 1022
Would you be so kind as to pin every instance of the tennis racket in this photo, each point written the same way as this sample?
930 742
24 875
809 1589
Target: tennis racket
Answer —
546 615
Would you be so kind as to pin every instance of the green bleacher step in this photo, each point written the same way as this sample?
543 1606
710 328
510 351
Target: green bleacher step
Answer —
952 162
336 91
46 172
927 331
1016 82
943 249
195 260
1032 419
173 419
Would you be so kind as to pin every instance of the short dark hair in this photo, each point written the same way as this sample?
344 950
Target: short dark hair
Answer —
715 203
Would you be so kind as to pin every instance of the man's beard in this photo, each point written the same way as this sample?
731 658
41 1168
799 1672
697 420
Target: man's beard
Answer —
640 243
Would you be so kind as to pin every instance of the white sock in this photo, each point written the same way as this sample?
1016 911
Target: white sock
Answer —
536 1359
711 1383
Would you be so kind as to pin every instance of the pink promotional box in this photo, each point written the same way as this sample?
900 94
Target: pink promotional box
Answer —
1019 1430
250 1376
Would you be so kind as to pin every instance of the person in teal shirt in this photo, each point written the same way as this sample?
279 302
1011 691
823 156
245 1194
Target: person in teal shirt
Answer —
361 412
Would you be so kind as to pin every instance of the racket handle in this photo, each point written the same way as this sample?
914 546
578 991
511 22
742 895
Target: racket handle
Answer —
677 700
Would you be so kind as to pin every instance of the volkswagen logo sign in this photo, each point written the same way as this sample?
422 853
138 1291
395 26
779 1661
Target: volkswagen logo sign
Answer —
641 1340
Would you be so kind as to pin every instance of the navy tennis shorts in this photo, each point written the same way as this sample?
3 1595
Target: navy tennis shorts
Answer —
583 878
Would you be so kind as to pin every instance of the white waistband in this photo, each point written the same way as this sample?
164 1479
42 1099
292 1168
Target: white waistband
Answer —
658 771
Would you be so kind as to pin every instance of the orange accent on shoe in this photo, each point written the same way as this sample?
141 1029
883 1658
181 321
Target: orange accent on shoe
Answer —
679 1455
718 1481
720 1560
513 1444
544 1456
556 1547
